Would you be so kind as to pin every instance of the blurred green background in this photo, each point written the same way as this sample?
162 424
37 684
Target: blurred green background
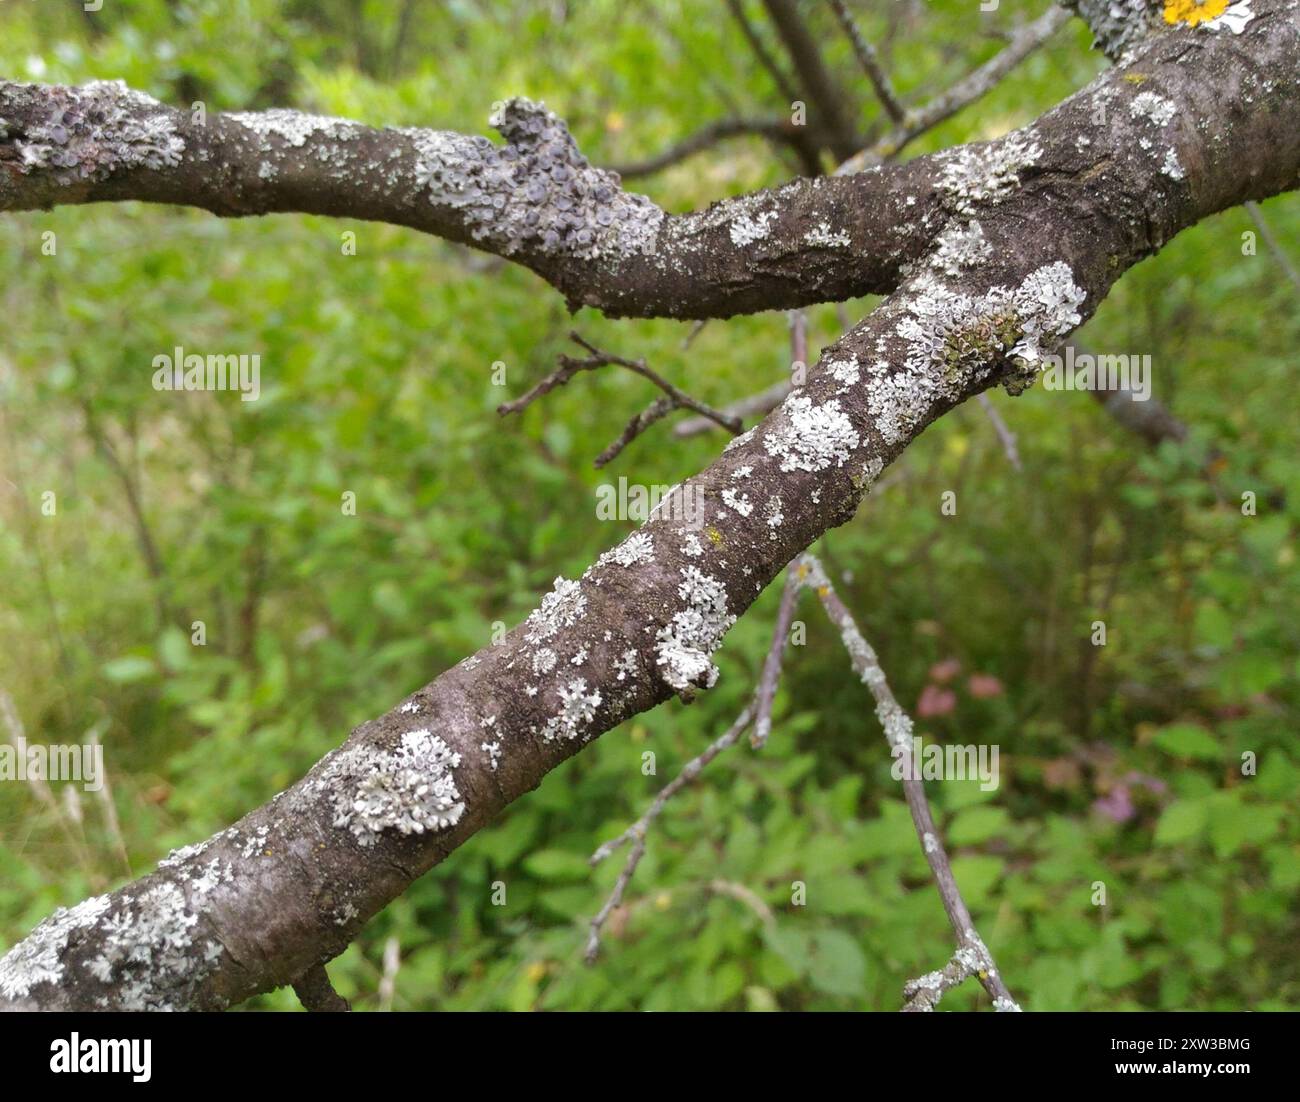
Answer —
1120 764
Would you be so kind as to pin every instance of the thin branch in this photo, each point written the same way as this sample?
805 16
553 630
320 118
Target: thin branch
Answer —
774 129
636 833
962 94
771 674
813 75
655 411
972 954
1274 245
674 398
754 406
317 994
761 52
870 62
1005 435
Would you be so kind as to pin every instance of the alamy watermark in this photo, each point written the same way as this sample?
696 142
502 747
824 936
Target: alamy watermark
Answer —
34 762
215 371
916 761
633 501
1084 371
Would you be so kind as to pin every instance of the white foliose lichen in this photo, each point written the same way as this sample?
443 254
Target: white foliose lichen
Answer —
577 710
811 438
740 503
538 192
746 228
637 548
410 789
844 371
38 957
684 647
149 949
563 607
1234 19
1154 108
291 127
960 247
1172 167
823 237
950 335
92 131
976 175
626 665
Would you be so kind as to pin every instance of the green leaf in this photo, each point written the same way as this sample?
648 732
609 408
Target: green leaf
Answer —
131 668
1182 821
977 824
836 966
557 865
1188 740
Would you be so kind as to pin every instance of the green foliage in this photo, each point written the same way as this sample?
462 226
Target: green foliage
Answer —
1121 765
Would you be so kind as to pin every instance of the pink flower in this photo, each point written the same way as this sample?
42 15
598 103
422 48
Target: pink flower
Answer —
982 686
945 670
935 702
1116 805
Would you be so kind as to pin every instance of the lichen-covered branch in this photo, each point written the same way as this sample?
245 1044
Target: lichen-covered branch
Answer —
972 956
1012 244
535 200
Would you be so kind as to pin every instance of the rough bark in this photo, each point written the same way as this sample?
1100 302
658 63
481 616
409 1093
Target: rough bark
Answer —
1023 238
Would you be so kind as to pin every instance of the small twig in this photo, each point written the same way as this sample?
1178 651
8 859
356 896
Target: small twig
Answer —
798 337
767 682
636 833
745 895
761 52
972 954
317 994
755 405
870 62
765 400
696 330
1004 432
962 94
388 979
1274 245
674 397
773 129
655 411
105 796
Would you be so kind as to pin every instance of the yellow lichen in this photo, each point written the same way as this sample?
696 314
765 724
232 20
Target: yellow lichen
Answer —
1193 12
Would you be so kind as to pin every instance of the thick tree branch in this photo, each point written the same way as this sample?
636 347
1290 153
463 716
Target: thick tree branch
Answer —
536 200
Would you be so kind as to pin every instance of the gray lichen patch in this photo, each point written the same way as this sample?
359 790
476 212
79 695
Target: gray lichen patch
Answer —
950 336
808 437
89 132
536 194
38 958
151 946
684 647
1117 25
975 176
147 948
292 128
577 710
409 789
